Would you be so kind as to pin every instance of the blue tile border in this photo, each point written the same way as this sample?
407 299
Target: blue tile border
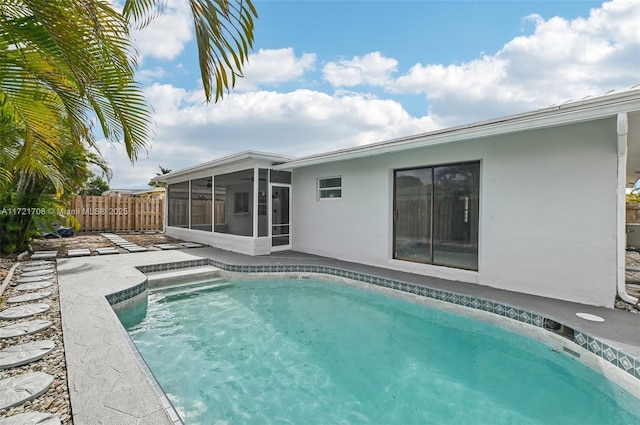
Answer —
126 294
609 353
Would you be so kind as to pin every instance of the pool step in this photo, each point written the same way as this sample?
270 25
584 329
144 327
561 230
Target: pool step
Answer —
176 277
180 290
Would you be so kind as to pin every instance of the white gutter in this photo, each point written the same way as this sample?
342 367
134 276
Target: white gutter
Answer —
623 129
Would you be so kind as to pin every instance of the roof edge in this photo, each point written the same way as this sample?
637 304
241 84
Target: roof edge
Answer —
569 112
230 159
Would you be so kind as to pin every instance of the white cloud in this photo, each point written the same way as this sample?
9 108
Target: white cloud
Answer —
371 69
297 123
166 36
475 79
273 66
150 75
562 59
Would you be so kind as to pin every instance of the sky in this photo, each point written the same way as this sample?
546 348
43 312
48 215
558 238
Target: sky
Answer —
327 75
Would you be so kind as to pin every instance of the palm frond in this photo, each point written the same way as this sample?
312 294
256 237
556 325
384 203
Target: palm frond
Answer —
82 52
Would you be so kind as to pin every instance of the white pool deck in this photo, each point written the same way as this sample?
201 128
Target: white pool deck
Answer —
108 386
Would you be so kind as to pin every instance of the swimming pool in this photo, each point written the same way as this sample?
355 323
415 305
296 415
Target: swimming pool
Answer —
313 352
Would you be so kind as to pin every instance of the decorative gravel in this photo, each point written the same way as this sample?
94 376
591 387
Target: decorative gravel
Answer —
56 400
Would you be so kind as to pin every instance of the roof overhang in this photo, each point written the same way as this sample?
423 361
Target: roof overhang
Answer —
587 109
247 157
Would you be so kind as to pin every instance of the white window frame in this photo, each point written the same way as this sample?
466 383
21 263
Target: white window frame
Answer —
326 189
236 209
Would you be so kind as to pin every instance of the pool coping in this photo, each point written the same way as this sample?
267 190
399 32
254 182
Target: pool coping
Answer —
108 384
129 283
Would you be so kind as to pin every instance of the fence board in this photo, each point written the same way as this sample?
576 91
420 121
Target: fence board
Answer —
633 213
118 214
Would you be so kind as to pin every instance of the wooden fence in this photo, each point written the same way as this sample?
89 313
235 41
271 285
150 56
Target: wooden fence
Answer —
633 212
118 214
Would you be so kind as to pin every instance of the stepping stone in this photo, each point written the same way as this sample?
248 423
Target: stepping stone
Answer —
32 286
51 268
33 267
20 388
38 263
107 251
31 418
18 355
41 255
166 246
29 297
82 252
191 245
35 273
46 271
24 328
24 311
137 249
30 279
114 237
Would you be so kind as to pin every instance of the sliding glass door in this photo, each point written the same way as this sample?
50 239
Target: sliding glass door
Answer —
413 200
436 213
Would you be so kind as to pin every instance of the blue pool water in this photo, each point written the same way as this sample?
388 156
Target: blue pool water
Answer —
310 352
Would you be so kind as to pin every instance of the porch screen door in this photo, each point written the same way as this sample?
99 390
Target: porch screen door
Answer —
280 212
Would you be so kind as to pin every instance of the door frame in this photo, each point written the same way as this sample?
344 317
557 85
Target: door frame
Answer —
279 247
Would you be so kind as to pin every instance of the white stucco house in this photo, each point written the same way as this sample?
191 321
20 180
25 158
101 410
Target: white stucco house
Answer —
499 203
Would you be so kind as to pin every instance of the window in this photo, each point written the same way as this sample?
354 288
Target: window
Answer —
436 215
280 177
329 187
241 203
178 204
233 202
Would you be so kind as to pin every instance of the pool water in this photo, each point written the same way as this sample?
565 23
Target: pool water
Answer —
312 352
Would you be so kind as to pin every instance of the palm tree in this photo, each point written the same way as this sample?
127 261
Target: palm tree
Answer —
77 55
32 201
68 65
81 51
162 172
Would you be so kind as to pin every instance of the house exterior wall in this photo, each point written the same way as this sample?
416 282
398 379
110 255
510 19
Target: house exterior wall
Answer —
547 211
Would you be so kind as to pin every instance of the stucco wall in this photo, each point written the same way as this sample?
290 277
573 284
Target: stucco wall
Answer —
547 211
